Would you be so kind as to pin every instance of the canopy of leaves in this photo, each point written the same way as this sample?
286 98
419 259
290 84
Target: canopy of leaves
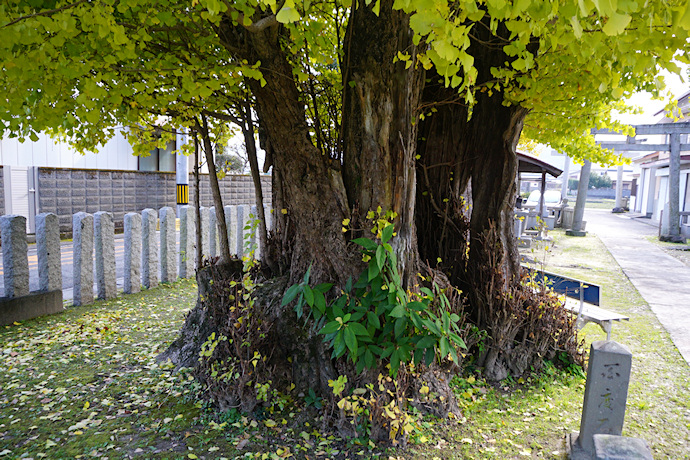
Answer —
81 68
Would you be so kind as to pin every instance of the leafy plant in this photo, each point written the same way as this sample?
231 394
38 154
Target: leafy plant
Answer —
375 318
312 400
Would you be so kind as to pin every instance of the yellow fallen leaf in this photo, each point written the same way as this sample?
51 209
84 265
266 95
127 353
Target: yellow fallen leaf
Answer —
86 405
78 432
191 456
270 423
424 390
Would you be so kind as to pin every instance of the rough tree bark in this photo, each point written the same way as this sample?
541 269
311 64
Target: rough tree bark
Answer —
381 98
466 189
309 206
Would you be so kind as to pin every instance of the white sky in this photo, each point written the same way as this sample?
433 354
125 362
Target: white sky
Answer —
674 84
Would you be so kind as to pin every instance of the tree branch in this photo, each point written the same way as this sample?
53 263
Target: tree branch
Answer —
261 24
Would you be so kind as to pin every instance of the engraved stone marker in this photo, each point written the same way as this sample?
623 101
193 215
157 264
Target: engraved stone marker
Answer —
606 393
14 255
242 221
255 239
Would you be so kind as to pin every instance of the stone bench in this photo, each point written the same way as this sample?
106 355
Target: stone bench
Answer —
582 299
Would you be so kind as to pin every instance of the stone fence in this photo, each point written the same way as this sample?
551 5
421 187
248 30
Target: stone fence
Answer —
65 192
151 253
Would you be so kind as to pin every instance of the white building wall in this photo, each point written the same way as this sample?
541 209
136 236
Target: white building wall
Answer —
115 154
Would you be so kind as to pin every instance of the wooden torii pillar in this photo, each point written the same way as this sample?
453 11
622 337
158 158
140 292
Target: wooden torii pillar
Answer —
674 147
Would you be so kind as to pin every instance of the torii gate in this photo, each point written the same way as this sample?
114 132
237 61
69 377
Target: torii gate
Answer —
674 147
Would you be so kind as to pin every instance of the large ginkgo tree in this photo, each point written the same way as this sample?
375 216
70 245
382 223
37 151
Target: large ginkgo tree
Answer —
399 115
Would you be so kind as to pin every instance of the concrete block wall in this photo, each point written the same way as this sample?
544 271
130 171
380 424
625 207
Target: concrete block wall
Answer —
67 191
236 189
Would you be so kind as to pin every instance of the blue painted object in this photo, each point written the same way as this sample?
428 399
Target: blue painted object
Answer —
570 287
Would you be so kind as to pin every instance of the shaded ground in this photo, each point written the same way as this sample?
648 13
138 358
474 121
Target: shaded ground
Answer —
85 384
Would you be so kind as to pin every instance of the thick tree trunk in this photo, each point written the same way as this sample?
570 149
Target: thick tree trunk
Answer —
307 201
467 184
381 98
467 169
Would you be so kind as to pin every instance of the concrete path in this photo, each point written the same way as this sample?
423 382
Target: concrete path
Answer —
662 280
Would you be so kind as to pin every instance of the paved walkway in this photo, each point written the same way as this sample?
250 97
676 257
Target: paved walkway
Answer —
662 280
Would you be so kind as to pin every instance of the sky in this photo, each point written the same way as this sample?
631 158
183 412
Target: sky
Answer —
675 85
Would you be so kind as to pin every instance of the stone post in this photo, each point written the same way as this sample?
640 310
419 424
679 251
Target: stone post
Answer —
168 243
231 224
104 234
255 239
243 236
14 255
212 233
606 393
619 187
187 237
82 243
132 282
48 251
672 231
149 248
565 175
579 212
205 216
268 212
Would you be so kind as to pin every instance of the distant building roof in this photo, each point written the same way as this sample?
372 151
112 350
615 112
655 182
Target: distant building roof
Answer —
683 104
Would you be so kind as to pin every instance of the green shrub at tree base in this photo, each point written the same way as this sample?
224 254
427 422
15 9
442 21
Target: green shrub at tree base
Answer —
376 319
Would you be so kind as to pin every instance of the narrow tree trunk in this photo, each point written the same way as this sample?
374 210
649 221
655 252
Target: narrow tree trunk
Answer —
197 203
202 128
250 142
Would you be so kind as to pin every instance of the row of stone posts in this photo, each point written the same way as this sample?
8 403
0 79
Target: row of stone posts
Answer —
142 255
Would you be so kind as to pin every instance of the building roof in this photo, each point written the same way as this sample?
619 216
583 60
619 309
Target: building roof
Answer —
529 164
683 106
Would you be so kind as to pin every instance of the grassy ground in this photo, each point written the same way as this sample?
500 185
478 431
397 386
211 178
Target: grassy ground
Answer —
85 384
598 203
